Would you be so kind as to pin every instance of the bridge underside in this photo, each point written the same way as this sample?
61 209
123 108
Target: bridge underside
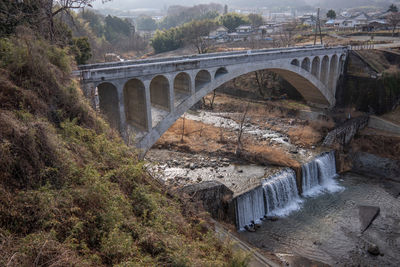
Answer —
308 90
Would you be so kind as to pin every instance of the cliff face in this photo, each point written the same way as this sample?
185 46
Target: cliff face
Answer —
371 82
71 192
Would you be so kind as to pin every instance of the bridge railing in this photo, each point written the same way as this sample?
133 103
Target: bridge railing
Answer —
194 57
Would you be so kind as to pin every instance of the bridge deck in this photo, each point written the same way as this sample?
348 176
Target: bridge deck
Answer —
196 57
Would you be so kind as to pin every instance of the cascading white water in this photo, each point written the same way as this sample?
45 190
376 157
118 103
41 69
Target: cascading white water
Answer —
278 195
250 208
319 174
310 176
281 195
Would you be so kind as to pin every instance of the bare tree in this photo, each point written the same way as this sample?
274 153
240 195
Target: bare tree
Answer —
288 32
241 128
54 7
211 100
266 81
196 33
393 19
183 128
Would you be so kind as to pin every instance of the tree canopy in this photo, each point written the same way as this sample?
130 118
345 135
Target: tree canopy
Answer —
146 23
233 20
393 8
255 19
331 14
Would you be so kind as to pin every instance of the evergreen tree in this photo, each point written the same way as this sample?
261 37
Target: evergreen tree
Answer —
393 8
331 14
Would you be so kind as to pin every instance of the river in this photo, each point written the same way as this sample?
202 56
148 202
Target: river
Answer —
327 228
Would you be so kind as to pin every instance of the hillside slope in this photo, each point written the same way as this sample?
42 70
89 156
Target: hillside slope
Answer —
71 192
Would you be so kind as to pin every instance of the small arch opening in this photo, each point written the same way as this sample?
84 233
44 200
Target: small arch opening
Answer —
202 78
109 103
159 92
315 67
295 62
220 72
342 62
135 104
324 70
333 70
182 85
305 64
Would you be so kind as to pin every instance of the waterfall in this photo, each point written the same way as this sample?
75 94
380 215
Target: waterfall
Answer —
250 208
278 194
281 195
319 174
310 176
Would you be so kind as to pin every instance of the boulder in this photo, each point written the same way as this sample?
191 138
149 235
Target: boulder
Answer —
373 250
215 198
367 215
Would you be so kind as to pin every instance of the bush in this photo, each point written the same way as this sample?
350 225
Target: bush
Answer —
82 50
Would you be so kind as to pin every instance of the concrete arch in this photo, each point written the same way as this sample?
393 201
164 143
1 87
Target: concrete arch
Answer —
307 84
324 70
305 64
315 67
333 67
159 92
203 77
135 103
182 87
220 72
109 103
295 62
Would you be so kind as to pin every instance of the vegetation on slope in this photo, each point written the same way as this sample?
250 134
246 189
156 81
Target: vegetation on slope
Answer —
71 192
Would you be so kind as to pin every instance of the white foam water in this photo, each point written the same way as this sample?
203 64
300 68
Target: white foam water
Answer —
281 194
278 196
250 208
319 175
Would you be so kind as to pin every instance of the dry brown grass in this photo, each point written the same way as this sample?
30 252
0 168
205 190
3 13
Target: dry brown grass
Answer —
266 154
200 137
304 136
197 136
311 134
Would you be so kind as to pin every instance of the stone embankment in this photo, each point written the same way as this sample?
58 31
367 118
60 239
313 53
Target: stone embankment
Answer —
369 164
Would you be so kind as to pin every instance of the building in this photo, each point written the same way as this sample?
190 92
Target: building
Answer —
244 29
219 32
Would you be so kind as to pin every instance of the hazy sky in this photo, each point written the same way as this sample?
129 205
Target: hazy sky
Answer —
160 4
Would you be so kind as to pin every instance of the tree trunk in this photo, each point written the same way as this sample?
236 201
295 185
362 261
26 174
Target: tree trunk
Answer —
259 82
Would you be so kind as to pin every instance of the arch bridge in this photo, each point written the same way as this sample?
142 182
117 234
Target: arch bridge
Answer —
143 98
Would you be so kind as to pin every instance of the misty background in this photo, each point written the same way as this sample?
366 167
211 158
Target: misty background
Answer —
164 4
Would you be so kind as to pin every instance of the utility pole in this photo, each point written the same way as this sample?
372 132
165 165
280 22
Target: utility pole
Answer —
317 28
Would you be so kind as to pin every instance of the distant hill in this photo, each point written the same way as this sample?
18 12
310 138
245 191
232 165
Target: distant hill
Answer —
350 3
160 4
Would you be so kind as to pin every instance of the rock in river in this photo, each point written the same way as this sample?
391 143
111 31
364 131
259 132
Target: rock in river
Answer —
367 215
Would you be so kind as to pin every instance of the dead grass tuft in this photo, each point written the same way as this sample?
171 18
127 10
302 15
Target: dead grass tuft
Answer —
304 136
266 154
